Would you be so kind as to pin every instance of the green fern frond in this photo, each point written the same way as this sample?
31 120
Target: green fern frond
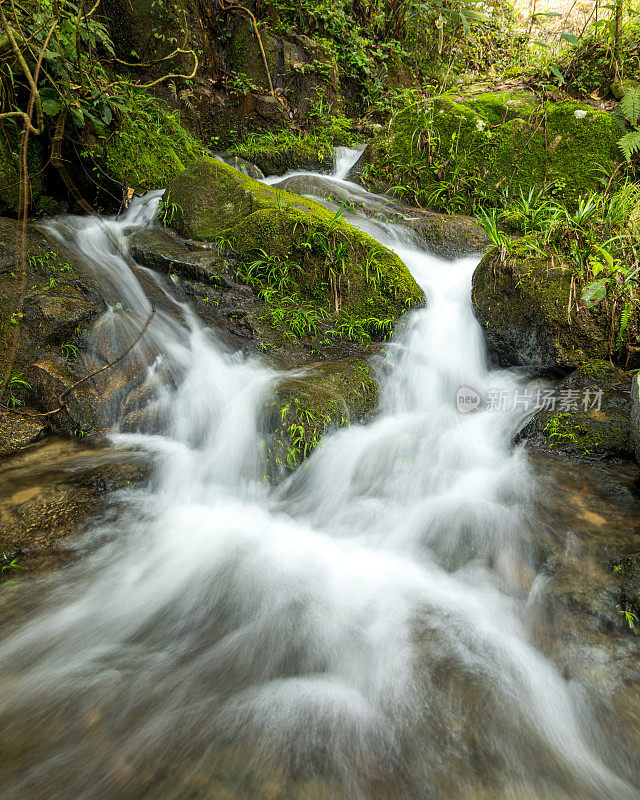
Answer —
625 319
630 144
620 119
630 105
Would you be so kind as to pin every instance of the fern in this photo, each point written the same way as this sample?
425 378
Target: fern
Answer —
630 106
630 144
625 319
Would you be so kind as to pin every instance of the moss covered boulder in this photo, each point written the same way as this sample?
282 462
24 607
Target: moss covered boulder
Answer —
295 253
527 309
149 147
635 415
452 151
330 394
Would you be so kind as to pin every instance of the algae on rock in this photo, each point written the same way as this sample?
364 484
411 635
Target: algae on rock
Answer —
293 250
526 307
449 152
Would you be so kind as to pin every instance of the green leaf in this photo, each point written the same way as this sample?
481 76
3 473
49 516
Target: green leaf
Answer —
51 107
478 15
630 144
595 292
571 38
558 74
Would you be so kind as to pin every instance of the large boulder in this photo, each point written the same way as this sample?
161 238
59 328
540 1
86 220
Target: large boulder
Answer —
527 309
329 394
294 251
449 152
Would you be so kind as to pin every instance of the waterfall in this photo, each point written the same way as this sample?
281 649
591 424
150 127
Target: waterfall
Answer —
359 631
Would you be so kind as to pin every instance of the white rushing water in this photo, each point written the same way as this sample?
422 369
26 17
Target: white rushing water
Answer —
359 631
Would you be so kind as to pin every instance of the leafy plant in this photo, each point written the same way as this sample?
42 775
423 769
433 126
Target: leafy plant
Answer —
629 112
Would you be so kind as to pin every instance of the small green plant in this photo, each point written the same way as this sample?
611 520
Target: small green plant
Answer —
16 381
9 562
69 350
167 211
628 113
631 619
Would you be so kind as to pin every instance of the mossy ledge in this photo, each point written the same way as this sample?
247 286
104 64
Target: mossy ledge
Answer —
297 255
447 152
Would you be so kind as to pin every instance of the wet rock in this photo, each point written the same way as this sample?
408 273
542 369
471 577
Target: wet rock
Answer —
276 158
242 165
329 394
159 250
49 489
330 267
528 319
17 431
596 426
50 382
592 513
635 415
447 235
53 317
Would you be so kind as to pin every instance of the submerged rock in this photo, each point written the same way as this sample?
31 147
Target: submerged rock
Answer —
452 151
48 489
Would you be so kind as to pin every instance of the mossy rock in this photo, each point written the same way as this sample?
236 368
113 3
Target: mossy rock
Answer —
294 248
635 415
275 157
331 394
149 148
524 308
590 419
449 152
10 174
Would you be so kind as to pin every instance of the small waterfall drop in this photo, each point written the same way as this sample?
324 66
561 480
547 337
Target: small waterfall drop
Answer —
358 632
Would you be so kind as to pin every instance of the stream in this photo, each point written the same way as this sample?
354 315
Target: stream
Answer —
368 628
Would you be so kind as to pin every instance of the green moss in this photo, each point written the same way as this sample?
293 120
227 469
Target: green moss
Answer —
276 155
449 153
293 250
10 175
564 429
334 394
150 147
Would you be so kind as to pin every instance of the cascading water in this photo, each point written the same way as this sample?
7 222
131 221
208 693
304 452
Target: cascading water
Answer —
360 631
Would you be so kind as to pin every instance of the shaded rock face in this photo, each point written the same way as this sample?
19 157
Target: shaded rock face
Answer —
635 415
454 148
10 174
530 319
595 427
